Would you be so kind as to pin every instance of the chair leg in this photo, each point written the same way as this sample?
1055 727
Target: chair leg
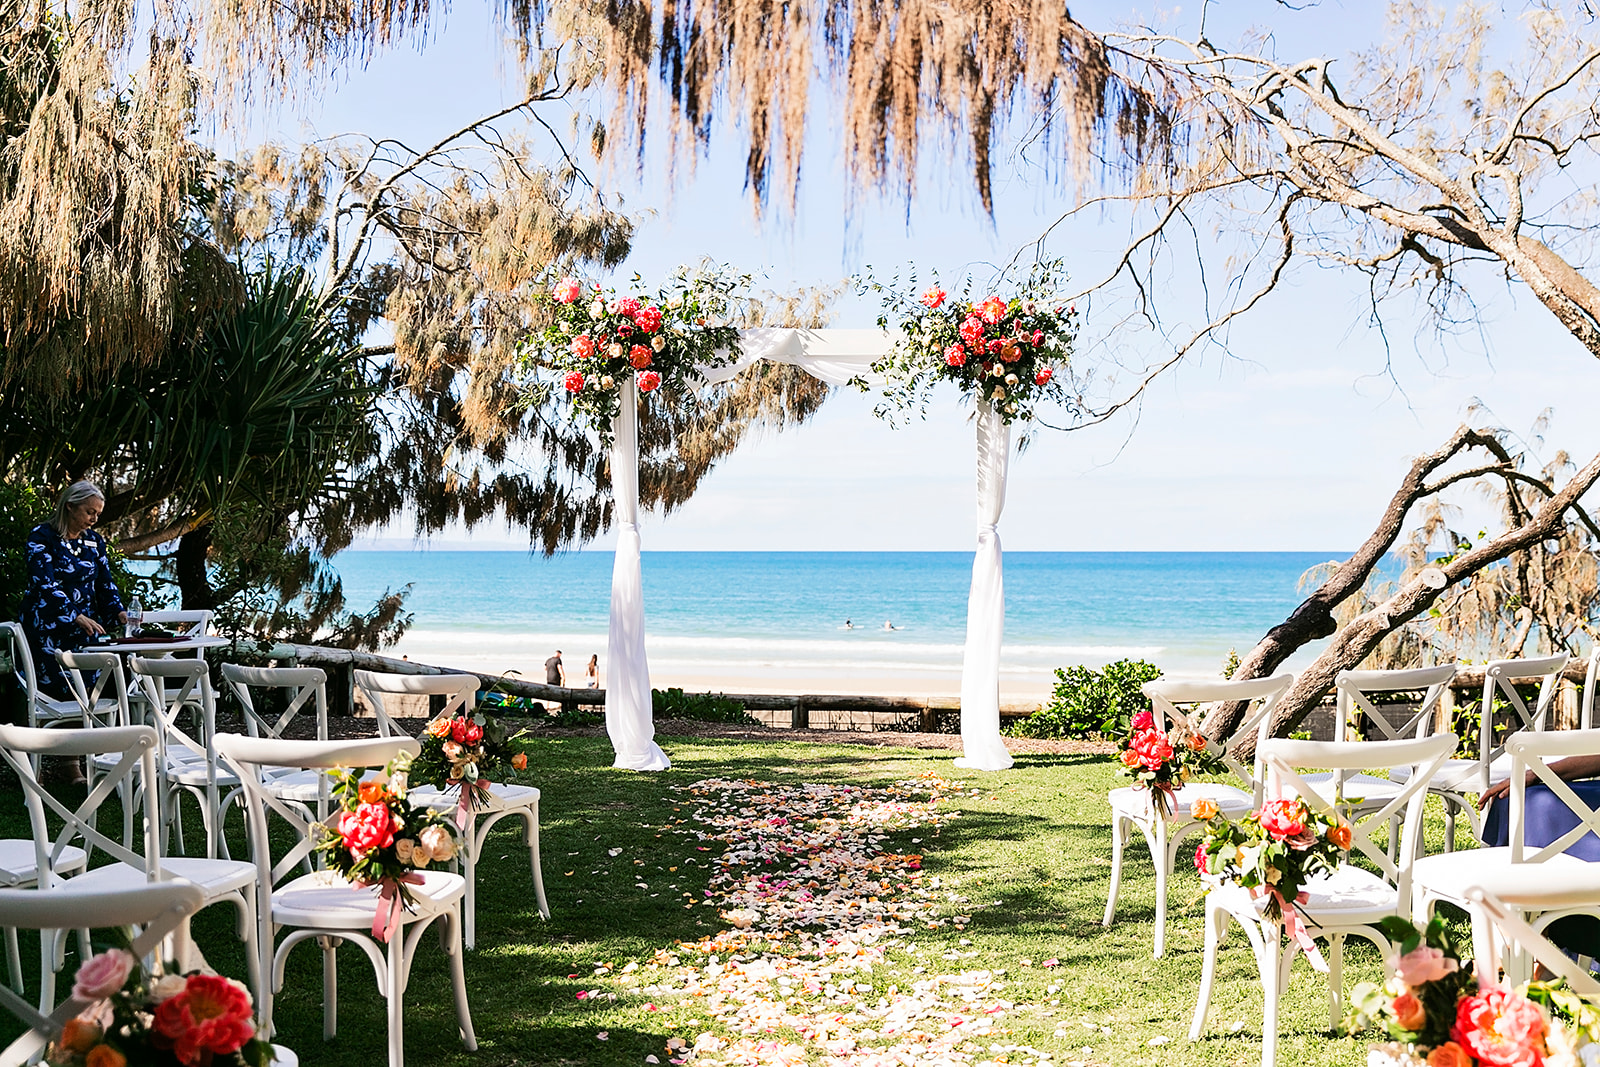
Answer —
1335 980
330 988
458 983
532 819
1119 840
13 960
1216 929
394 994
1449 825
1274 975
1161 853
470 845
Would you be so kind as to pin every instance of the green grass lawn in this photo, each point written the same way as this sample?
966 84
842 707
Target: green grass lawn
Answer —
1027 860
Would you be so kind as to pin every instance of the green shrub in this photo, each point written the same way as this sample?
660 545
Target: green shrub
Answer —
1091 704
700 707
22 507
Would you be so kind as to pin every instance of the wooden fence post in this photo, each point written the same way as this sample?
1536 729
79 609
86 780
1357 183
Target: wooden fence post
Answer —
800 717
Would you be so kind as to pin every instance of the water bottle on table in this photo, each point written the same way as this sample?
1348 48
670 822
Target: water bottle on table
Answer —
135 616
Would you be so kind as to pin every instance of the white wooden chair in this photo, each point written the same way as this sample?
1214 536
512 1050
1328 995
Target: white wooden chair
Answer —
1132 808
43 710
1590 678
1497 920
159 909
1512 870
223 881
1350 901
187 764
460 693
326 907
1461 779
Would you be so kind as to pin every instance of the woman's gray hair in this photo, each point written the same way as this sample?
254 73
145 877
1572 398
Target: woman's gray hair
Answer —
71 497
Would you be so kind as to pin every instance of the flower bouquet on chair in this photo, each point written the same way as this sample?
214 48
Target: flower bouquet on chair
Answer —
1272 853
379 838
1162 762
1435 1014
135 1018
466 752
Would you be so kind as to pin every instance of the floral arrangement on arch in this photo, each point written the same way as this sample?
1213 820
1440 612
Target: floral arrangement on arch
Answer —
1272 853
1163 762
379 838
1435 1014
596 338
466 752
196 1020
1006 350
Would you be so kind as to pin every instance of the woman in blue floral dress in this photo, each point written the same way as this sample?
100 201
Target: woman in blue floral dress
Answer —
71 596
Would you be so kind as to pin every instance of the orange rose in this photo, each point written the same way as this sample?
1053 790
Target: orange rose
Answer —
1408 1012
439 728
1203 809
373 793
105 1056
1341 836
79 1035
1449 1054
1197 742
520 761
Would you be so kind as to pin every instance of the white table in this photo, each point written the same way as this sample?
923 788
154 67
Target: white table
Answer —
160 648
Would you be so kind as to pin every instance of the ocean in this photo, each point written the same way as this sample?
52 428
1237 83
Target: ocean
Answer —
776 621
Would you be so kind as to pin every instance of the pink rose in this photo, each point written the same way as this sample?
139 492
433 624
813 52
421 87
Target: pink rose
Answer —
566 290
582 346
629 306
933 297
955 355
102 975
369 827
1200 860
1044 376
992 310
1422 965
648 319
1038 337
1501 1029
639 356
1143 721
624 329
574 382
1283 819
971 329
996 347
648 380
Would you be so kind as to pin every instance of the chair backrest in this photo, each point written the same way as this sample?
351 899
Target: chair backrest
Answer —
1169 699
302 685
1492 914
459 690
136 746
1499 683
106 668
1352 689
1284 759
188 623
250 756
22 669
1531 752
159 909
1586 711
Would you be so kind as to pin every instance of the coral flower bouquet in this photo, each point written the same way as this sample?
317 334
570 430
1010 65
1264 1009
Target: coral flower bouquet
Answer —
466 752
1435 1013
1162 761
380 838
196 1020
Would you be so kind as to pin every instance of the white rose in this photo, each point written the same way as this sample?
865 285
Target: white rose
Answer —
613 350
658 342
420 856
439 842
1011 379
999 393
167 987
597 310
999 370
1011 409
404 849
399 783
606 382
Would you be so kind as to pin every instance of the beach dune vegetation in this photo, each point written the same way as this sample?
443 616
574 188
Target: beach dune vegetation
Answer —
1091 705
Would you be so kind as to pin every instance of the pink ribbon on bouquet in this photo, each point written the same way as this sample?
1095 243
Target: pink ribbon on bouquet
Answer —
387 917
1296 929
464 804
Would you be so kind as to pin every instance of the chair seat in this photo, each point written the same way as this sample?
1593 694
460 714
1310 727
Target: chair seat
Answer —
1461 775
1135 803
303 786
200 774
325 901
1358 788
19 867
214 876
1349 896
50 710
500 797
1451 874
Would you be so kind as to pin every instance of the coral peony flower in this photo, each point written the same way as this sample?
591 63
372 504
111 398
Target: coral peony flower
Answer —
1203 808
574 382
370 826
567 290
439 843
628 305
582 346
992 310
105 1056
649 380
971 329
464 731
1423 964
1449 1054
1152 748
639 356
211 1017
1282 819
1500 1028
955 355
520 761
1044 375
1408 1011
648 319
102 975
932 297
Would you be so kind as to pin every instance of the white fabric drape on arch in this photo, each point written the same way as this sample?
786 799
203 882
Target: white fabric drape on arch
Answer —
834 356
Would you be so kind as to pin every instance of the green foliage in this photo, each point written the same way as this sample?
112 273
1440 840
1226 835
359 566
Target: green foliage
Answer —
22 507
1091 704
700 707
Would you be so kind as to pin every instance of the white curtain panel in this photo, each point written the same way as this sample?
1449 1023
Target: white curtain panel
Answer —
982 747
629 716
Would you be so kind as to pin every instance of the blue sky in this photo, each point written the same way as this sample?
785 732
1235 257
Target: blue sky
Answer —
1293 440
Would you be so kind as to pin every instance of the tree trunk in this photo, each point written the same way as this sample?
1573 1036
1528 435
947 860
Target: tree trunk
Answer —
190 562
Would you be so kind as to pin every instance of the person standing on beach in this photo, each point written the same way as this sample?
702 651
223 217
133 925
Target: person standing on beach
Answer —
592 674
553 671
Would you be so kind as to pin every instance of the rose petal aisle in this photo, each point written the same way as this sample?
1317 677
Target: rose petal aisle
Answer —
813 901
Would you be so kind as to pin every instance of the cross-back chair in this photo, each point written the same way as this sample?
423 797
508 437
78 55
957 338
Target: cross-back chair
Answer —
43 709
1497 920
1350 901
1178 705
188 764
